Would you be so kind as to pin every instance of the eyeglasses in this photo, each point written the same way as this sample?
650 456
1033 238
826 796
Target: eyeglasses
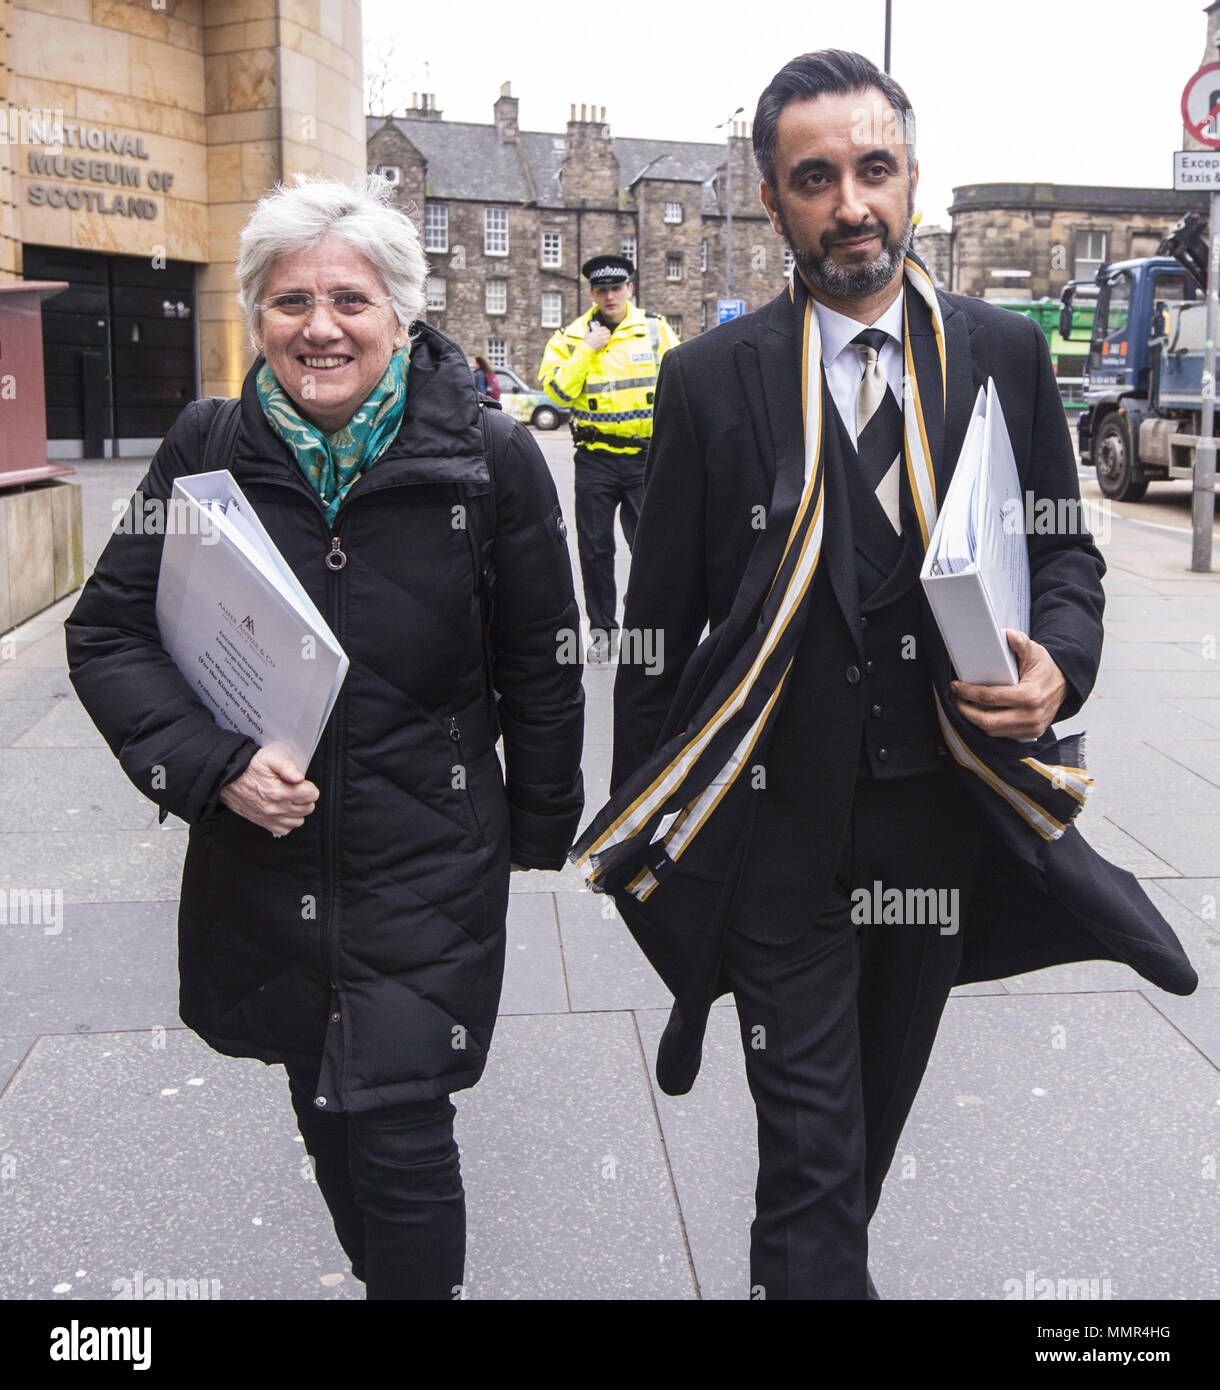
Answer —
349 303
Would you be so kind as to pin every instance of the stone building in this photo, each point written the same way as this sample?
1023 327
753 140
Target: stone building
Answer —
509 216
1027 240
138 137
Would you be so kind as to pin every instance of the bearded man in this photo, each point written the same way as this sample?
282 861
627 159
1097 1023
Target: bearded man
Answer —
812 757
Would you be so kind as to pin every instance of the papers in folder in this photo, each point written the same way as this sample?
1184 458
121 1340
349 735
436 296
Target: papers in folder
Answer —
238 623
976 571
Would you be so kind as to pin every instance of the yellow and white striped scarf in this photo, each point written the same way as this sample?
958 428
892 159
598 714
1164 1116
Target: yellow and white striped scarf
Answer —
655 816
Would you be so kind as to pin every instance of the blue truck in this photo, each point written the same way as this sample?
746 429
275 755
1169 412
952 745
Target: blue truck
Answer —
1143 378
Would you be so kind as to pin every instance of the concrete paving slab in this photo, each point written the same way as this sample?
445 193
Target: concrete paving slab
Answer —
12 1051
108 967
133 1159
16 716
1205 710
605 968
711 1139
90 792
122 866
64 725
1176 683
21 682
547 881
1199 935
1151 656
1199 757
1081 977
1155 607
569 1191
1196 1016
1082 1160
1140 778
47 651
1113 843
1168 630
533 961
1189 843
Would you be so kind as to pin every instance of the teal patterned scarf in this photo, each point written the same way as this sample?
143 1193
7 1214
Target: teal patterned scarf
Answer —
333 462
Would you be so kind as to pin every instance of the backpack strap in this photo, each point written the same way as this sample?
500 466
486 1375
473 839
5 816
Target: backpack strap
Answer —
222 433
481 532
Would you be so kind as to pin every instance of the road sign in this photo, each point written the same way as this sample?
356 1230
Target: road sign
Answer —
1201 116
727 309
1201 105
1196 169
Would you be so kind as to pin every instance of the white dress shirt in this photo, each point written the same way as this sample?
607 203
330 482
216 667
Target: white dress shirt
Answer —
844 364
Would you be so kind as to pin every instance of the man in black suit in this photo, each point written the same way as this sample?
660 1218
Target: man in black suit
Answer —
821 431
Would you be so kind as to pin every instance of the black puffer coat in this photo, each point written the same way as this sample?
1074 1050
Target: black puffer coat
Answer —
372 937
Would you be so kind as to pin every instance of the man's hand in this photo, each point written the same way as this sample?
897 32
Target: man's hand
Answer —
597 337
272 792
1024 710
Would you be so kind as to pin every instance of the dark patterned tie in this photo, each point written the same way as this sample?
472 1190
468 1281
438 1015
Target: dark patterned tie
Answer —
878 426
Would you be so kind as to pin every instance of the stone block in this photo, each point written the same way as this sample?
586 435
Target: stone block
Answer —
30 575
66 537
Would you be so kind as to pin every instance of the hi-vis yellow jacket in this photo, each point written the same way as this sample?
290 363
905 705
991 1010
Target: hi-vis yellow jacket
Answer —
608 393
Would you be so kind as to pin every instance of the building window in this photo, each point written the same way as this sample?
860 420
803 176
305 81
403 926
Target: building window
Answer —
436 228
703 317
390 172
552 249
495 297
1090 252
436 294
552 309
627 248
789 260
675 322
497 352
703 256
495 231
673 212
673 265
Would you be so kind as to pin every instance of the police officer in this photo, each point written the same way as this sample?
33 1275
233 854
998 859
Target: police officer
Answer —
603 368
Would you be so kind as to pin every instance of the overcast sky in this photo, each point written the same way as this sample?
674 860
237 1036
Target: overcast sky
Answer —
1062 91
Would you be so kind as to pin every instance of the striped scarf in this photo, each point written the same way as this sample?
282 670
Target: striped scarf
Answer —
658 812
331 463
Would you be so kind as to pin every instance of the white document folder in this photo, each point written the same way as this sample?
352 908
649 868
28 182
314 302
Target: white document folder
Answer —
976 571
238 623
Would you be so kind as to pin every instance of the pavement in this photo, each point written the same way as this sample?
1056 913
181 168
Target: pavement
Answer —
1067 1127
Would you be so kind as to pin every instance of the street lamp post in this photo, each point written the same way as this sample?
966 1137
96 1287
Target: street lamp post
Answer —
728 205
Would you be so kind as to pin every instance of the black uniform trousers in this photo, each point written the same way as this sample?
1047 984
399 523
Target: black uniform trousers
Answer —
605 482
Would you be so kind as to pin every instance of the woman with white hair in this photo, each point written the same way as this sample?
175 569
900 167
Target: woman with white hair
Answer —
347 919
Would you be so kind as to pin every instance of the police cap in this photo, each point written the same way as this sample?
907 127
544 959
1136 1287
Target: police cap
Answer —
608 270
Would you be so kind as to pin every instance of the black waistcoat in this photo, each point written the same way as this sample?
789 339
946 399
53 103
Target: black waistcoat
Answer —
901 736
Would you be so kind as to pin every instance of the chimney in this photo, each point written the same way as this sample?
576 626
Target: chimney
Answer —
506 116
424 107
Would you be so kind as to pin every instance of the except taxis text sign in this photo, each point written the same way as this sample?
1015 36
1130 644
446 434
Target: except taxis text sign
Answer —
1196 169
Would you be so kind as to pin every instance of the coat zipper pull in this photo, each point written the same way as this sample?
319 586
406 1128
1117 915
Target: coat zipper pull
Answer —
336 559
454 732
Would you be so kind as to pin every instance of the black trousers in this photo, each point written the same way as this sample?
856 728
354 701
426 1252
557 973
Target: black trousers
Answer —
392 1180
604 483
838 1017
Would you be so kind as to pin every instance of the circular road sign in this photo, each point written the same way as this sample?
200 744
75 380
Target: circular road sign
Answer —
1201 105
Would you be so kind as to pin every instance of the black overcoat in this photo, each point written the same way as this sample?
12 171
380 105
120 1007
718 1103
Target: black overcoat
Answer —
373 936
728 416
